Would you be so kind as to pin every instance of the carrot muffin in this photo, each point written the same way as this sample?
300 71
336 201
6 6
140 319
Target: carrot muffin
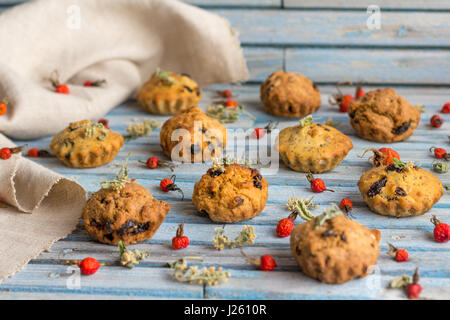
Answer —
400 189
231 193
312 147
289 95
86 144
130 214
334 249
192 136
383 116
168 93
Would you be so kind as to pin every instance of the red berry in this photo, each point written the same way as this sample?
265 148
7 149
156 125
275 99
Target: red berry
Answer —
284 227
5 153
104 122
259 133
88 83
3 108
227 94
441 230
345 102
180 241
389 155
446 108
414 290
440 153
231 103
165 185
89 266
317 185
436 121
62 88
359 93
152 163
267 263
33 153
401 255
346 205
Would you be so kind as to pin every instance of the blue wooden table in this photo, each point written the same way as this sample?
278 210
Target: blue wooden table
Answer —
327 42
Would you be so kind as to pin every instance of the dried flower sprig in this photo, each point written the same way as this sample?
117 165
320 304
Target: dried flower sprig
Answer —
208 276
140 130
330 122
400 165
439 167
306 121
92 128
328 214
302 207
420 107
219 164
227 114
130 258
400 282
121 178
245 236
165 76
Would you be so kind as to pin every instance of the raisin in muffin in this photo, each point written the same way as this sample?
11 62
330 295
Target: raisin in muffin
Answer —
337 251
192 136
313 147
231 193
400 189
86 144
383 116
289 95
168 93
130 214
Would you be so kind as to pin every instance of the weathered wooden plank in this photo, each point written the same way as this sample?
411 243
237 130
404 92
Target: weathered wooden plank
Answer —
339 28
261 62
236 3
372 66
363 4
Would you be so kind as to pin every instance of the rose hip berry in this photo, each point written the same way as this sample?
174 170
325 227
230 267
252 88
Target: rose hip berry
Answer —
5 153
285 226
346 205
345 102
97 83
414 289
227 94
400 255
180 241
33 153
446 108
441 230
259 133
440 153
317 185
3 107
359 92
62 88
104 122
268 263
167 185
231 103
152 162
89 266
436 121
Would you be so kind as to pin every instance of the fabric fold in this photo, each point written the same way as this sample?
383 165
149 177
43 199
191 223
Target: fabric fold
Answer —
122 41
41 208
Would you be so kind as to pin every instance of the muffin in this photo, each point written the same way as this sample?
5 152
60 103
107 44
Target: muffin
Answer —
192 136
129 214
400 189
168 93
289 95
231 193
337 251
383 116
313 147
86 144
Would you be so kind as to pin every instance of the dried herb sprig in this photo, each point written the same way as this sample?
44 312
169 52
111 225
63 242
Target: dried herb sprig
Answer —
208 276
120 180
220 164
400 282
302 207
400 165
140 130
306 121
227 114
420 107
330 122
245 236
165 76
130 258
328 214
93 128
439 167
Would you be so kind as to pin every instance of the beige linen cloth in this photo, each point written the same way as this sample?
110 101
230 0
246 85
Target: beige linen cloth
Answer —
122 41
